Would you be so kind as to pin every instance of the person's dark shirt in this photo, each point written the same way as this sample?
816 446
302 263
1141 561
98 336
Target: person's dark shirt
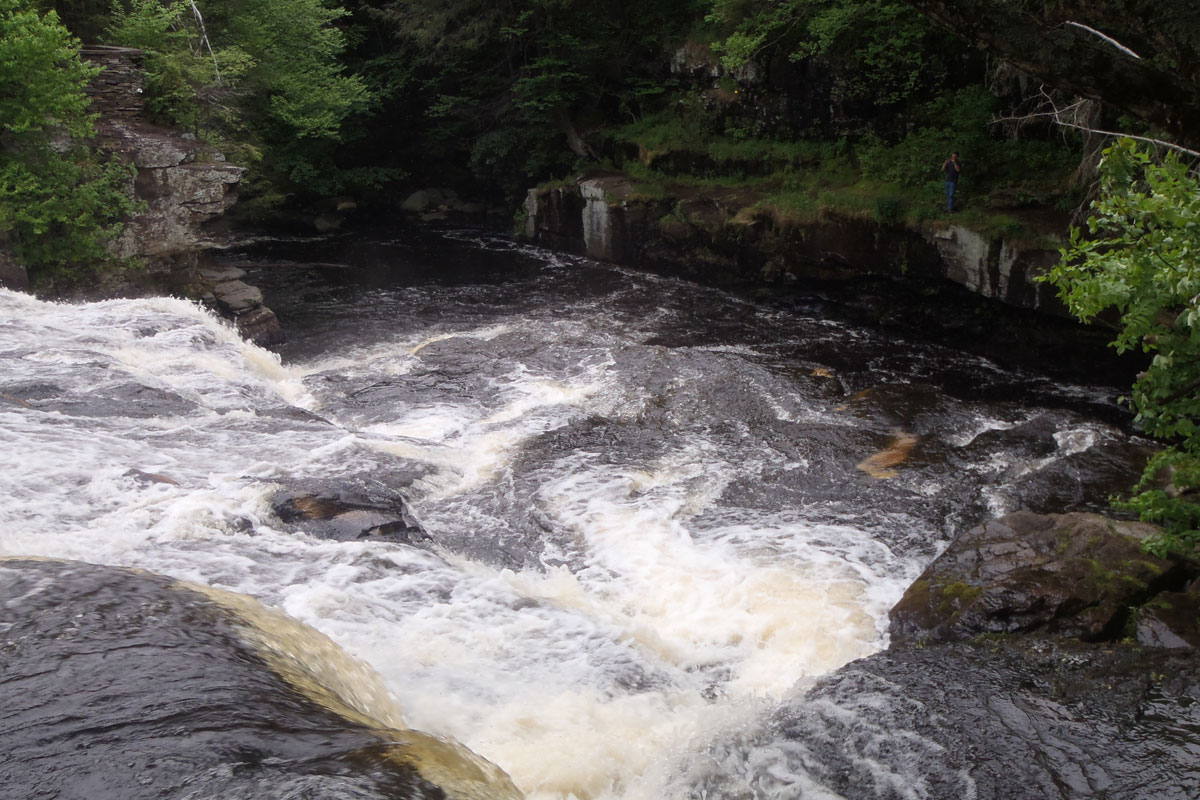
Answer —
952 169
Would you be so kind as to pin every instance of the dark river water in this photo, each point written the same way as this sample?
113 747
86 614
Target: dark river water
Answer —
646 513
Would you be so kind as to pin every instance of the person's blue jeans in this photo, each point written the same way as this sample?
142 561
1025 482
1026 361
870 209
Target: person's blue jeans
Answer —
950 187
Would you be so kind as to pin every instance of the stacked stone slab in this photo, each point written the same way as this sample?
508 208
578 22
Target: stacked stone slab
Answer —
118 91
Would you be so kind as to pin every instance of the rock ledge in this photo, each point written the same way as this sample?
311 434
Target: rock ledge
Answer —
1075 575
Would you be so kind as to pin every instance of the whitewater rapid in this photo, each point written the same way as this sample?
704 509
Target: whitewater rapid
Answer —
638 543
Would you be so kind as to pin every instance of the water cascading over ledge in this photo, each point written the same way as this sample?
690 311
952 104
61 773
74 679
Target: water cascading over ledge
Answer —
645 516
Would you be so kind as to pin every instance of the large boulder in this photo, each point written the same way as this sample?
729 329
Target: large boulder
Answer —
346 512
1067 574
425 200
946 713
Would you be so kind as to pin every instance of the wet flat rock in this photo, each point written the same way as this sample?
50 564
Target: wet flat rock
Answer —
118 684
112 400
1017 718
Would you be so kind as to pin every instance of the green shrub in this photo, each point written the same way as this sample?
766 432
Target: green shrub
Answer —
60 202
889 208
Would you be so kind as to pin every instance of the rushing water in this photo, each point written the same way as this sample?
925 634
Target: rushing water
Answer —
651 512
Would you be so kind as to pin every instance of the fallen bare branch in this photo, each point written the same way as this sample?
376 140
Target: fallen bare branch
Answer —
1074 116
1105 37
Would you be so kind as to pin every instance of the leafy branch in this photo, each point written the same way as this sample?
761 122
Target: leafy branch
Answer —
1141 257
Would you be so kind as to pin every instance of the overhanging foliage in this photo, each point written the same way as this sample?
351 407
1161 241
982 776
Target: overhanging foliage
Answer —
1140 258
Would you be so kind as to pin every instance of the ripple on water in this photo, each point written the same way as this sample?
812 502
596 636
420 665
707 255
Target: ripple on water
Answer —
644 528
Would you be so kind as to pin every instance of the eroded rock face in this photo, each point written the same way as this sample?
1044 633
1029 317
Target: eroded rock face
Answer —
181 184
1073 575
554 218
604 236
718 233
996 268
184 184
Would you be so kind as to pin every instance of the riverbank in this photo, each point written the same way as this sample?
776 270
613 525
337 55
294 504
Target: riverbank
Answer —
958 279
737 235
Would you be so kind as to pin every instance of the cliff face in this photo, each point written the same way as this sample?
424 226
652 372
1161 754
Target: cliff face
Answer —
941 279
183 182
183 185
718 238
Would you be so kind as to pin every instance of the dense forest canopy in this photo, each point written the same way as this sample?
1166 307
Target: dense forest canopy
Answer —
1140 56
321 97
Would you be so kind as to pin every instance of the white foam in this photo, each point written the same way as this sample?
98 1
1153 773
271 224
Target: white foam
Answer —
661 623
701 604
484 334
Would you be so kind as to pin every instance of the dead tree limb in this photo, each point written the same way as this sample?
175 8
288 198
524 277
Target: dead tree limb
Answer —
1105 37
1069 117
204 38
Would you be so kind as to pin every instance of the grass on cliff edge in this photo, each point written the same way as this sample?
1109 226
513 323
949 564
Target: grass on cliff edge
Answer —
799 182
794 199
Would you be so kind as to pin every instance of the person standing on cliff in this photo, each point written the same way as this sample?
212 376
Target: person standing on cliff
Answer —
951 168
